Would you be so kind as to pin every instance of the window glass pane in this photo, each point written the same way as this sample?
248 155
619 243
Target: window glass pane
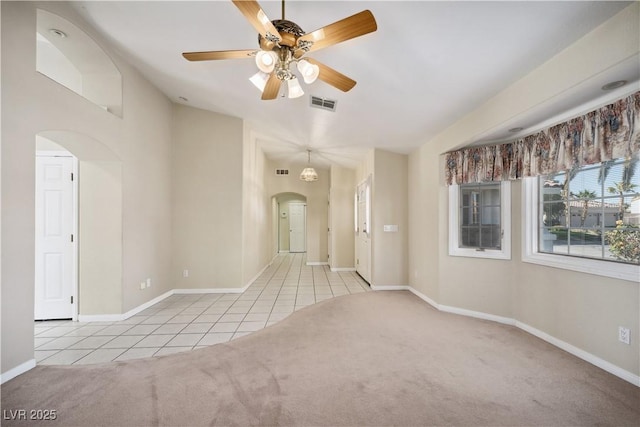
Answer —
585 183
623 244
480 216
491 215
596 215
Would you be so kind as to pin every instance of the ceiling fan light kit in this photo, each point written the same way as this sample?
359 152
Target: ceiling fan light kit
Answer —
283 43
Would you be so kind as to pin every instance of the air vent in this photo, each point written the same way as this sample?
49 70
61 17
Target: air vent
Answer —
323 103
280 172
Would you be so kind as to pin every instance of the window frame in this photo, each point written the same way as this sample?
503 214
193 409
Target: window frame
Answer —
530 242
455 249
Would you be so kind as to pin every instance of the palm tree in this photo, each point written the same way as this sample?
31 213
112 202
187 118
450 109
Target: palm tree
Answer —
621 188
625 185
586 196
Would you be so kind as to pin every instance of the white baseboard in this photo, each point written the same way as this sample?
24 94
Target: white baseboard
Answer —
389 288
586 356
123 316
20 369
477 314
338 269
317 263
569 348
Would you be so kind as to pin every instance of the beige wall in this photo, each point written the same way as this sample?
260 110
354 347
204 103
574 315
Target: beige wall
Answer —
317 194
341 206
142 248
256 210
580 309
389 206
207 199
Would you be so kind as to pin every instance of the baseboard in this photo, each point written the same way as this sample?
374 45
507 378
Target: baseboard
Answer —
123 316
147 304
389 288
477 315
338 269
586 356
579 353
424 298
100 317
20 369
317 263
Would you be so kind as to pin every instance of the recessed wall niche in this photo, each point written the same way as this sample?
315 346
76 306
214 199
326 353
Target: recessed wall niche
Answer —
67 55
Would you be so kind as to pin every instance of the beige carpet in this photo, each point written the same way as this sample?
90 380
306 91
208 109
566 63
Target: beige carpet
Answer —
377 358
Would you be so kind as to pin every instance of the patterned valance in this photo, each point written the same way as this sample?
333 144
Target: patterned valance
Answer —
610 132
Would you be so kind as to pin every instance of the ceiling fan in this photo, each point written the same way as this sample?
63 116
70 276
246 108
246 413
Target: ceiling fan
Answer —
283 43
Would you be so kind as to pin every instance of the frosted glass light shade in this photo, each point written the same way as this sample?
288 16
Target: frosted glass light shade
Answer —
309 71
259 80
295 90
266 60
309 175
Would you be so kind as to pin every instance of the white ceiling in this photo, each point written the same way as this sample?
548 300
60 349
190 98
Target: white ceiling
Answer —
427 65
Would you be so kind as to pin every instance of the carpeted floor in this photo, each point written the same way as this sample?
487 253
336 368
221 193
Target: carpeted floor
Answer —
377 358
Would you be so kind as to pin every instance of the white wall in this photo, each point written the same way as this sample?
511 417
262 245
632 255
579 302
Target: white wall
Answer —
139 142
580 309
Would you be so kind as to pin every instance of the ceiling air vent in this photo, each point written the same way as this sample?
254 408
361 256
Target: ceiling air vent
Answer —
281 172
323 103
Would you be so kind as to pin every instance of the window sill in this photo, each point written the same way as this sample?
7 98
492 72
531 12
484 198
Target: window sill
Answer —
589 266
473 253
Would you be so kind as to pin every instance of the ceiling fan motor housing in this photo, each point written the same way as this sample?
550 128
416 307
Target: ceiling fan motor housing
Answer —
289 33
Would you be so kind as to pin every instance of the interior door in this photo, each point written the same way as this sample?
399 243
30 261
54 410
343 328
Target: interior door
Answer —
54 240
363 235
297 227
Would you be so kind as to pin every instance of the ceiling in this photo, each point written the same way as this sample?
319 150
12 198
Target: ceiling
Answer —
427 65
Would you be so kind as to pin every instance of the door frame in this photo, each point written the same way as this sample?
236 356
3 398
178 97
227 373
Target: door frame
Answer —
74 224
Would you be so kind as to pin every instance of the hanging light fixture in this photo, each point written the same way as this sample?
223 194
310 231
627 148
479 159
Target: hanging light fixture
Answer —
309 174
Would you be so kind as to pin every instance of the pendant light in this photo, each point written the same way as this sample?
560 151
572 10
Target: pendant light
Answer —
309 174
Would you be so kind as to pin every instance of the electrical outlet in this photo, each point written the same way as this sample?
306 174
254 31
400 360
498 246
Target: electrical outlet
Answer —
143 285
185 273
149 283
623 334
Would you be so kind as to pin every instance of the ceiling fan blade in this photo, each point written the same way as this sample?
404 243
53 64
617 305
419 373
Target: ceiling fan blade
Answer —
258 19
272 88
333 77
348 28
219 54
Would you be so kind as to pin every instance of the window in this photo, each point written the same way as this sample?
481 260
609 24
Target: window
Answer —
586 219
480 221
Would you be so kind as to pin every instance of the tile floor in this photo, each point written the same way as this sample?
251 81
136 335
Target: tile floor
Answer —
191 321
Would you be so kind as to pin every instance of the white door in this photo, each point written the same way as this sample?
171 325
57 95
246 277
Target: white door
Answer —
363 235
54 261
297 227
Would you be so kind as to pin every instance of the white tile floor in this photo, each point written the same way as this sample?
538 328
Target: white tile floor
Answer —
186 322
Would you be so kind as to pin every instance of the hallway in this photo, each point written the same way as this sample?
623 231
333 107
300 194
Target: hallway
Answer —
184 322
